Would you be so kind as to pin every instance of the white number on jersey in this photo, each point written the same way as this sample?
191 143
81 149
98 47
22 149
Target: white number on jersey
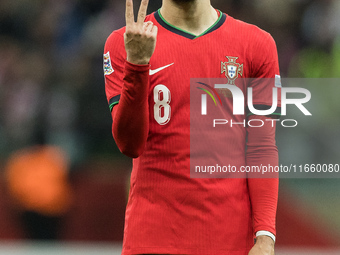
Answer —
162 109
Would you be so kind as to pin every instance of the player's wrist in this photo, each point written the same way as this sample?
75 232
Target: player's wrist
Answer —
265 242
266 234
133 68
138 61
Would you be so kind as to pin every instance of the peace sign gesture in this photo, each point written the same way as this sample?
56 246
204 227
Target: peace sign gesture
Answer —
140 37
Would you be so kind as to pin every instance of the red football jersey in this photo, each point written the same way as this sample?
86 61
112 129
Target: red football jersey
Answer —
168 212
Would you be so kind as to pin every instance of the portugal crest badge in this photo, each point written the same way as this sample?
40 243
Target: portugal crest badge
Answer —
232 69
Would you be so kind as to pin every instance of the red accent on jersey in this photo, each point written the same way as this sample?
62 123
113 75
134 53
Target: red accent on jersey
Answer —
168 212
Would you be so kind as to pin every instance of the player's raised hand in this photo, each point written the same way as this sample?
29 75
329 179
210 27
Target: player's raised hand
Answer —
140 37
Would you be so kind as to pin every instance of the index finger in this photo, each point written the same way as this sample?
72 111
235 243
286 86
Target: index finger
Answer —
129 16
142 11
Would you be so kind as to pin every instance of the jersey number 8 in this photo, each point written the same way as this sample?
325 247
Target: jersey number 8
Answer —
162 109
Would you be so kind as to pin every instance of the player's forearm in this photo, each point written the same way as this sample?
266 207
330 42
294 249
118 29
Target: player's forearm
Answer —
263 196
263 188
130 125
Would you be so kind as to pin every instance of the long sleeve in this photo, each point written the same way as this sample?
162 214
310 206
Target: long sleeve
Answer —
130 117
261 147
261 150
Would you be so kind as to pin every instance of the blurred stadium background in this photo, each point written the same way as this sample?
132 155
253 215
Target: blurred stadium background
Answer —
52 92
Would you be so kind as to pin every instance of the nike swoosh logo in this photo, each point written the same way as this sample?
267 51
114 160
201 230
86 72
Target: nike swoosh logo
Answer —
152 72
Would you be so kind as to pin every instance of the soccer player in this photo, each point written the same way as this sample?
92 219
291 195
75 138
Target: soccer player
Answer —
148 65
